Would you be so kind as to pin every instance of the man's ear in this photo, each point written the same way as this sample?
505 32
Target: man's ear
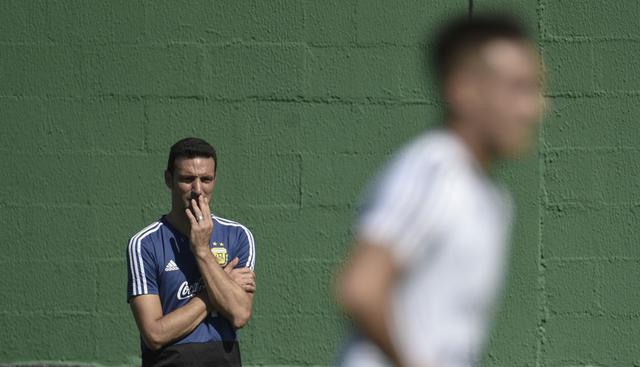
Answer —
454 89
168 178
460 91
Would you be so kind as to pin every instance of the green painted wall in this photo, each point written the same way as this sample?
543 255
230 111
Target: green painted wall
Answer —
304 100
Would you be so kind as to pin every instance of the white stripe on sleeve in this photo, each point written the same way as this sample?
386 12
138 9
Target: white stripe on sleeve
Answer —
135 259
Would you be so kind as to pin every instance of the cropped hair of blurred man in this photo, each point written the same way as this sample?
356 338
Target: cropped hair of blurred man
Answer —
191 281
432 235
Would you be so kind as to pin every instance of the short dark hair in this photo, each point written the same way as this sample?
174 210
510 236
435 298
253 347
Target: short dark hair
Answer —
191 148
465 33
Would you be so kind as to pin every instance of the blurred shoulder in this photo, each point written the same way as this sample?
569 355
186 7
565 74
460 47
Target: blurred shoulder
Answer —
432 153
437 145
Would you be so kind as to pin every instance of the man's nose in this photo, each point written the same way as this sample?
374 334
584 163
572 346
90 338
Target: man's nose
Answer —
196 187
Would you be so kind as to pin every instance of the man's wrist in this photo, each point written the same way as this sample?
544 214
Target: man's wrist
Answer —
201 252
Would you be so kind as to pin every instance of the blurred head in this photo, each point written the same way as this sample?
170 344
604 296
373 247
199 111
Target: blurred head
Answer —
491 80
191 171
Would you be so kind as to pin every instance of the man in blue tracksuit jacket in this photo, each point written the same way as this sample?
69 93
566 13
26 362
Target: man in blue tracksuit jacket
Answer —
190 273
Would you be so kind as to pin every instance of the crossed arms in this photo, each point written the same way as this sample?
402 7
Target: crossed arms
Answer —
158 330
229 291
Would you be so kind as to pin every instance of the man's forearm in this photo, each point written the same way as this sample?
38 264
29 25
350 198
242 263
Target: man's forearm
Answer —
176 324
226 296
374 323
365 292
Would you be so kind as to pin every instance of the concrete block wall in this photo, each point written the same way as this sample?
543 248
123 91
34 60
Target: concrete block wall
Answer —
304 100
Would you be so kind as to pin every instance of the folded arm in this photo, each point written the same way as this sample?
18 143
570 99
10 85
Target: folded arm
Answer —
158 330
228 297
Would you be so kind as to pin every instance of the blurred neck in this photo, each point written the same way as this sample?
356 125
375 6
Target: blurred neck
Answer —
474 142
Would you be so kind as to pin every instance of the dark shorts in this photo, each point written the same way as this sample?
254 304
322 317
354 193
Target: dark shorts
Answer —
214 354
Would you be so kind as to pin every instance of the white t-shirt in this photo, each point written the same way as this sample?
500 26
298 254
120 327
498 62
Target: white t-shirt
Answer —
446 224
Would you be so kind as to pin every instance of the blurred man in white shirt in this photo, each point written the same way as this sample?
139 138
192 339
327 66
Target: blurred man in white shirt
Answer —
432 235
